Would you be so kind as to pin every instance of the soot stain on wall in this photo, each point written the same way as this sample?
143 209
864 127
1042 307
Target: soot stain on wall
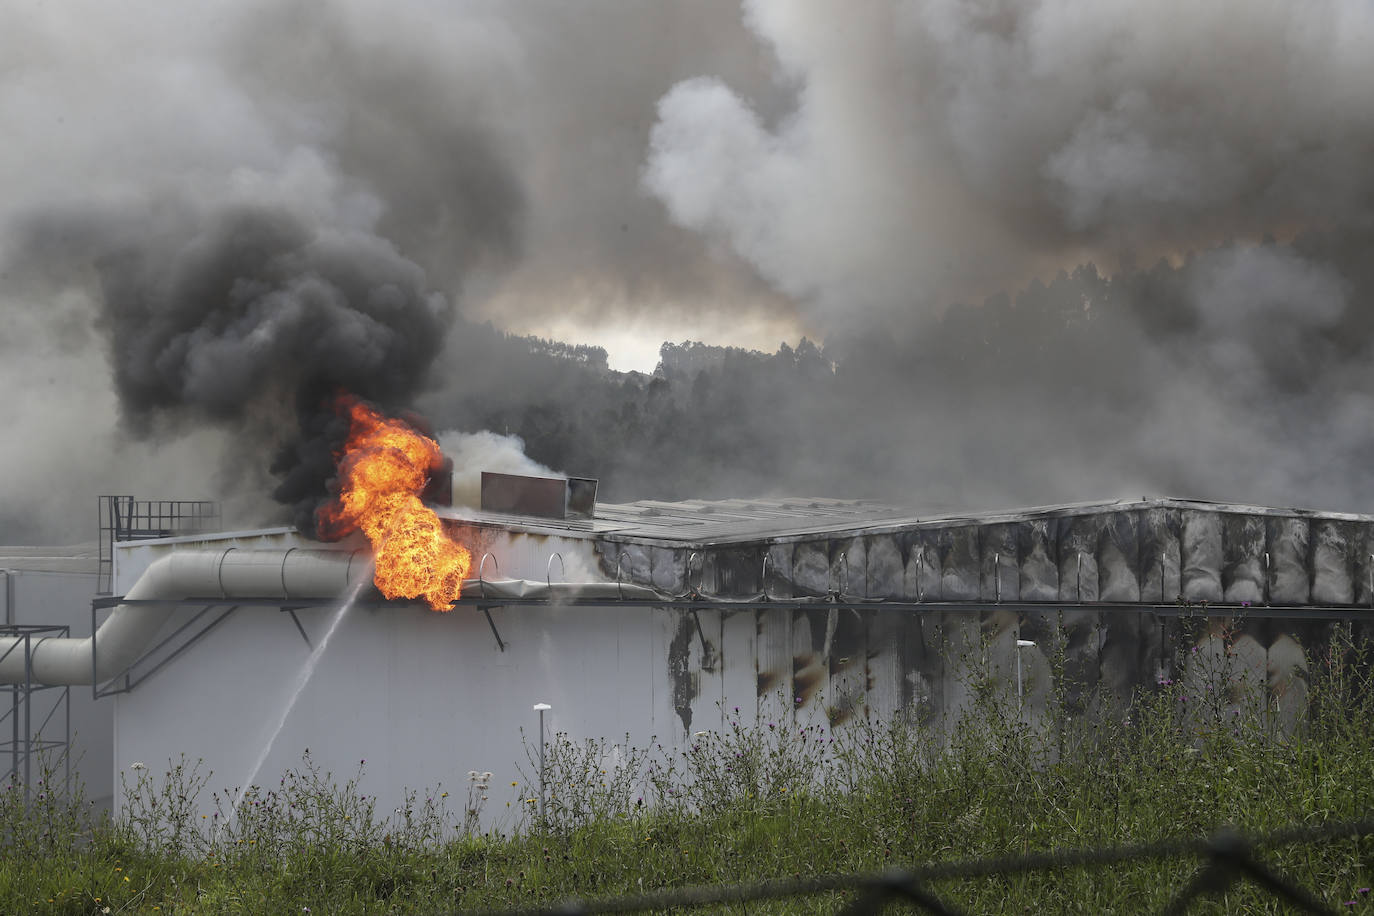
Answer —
686 681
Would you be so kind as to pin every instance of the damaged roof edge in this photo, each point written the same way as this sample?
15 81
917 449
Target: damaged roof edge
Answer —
702 523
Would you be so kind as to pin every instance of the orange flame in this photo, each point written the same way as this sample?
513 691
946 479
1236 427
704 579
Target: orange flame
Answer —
382 471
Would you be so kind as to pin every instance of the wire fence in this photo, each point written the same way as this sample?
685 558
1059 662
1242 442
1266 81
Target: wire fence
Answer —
1225 859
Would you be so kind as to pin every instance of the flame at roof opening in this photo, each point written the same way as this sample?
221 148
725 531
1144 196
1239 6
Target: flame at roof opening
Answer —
383 468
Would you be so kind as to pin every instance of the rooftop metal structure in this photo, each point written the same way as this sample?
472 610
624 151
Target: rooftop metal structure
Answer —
1129 551
703 523
123 518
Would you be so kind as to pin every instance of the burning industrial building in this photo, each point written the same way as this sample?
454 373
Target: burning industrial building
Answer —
357 215
653 619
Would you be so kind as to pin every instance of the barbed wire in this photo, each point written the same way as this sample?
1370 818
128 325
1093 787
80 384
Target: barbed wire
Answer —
1228 857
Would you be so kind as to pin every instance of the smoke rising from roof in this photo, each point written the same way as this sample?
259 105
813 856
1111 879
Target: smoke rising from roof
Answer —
250 265
209 213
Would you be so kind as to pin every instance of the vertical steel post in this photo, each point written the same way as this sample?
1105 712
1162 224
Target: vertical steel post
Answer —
541 708
9 596
14 733
28 715
1021 644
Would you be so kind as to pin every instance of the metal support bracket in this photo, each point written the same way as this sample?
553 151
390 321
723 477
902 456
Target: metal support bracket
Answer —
486 610
701 633
297 621
182 638
128 680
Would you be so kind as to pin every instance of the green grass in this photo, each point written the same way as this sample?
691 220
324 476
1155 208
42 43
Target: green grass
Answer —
748 803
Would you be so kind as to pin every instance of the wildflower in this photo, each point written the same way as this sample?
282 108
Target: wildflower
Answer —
138 765
515 784
472 775
486 777
443 795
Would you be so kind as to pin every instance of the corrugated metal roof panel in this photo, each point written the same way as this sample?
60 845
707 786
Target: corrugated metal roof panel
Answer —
701 522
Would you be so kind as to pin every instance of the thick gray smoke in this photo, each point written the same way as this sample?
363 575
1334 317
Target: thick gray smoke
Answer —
211 212
939 148
217 230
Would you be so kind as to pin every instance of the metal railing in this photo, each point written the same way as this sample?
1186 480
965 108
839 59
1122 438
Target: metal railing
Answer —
123 518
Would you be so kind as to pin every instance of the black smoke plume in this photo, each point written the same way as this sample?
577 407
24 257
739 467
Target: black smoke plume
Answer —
257 313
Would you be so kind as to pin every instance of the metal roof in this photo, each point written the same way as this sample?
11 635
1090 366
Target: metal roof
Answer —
724 521
79 559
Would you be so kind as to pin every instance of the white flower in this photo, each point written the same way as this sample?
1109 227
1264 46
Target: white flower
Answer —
472 774
486 777
138 765
701 734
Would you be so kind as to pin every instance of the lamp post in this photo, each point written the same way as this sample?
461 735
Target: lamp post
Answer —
541 708
1021 644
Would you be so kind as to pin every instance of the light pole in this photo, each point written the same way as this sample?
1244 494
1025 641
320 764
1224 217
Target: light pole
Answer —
1021 644
541 708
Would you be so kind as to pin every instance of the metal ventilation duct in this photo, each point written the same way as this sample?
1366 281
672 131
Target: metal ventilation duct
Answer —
131 626
544 497
220 576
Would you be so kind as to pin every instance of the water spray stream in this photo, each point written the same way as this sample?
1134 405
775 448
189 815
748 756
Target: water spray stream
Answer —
302 678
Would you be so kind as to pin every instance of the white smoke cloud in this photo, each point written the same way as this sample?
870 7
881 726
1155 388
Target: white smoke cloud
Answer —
473 453
938 145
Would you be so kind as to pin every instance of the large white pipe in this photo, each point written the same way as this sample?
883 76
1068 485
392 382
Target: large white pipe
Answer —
198 574
223 575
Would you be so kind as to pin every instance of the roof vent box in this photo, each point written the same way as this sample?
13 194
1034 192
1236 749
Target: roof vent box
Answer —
545 497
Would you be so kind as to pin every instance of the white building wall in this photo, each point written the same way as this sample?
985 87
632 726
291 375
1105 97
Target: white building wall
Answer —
423 697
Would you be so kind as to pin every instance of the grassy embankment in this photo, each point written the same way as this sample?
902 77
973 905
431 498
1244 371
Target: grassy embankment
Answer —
748 803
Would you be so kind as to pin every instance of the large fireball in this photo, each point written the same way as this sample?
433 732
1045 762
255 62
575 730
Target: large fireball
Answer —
382 470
